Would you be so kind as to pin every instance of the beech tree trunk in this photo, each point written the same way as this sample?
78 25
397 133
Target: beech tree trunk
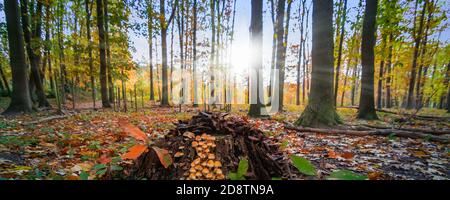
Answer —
20 97
367 99
320 110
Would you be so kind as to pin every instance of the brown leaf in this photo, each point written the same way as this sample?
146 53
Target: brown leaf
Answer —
347 155
134 152
164 156
104 159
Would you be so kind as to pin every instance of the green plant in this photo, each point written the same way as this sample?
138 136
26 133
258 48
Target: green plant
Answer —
241 171
345 175
303 165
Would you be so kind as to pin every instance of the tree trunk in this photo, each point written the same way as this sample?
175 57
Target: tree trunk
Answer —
380 73
367 104
388 71
102 50
281 49
62 65
320 110
274 46
150 45
108 54
341 42
194 52
20 98
212 53
48 48
256 38
417 39
165 24
91 61
4 81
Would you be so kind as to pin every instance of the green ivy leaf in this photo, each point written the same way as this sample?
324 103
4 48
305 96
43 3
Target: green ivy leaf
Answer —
84 175
99 166
234 176
303 165
242 167
101 172
345 175
116 168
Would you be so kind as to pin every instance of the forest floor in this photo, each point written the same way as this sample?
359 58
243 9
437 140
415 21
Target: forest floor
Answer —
84 143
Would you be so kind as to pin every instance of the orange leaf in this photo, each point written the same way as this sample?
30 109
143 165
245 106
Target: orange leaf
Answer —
164 157
104 159
332 154
72 178
347 155
134 152
133 131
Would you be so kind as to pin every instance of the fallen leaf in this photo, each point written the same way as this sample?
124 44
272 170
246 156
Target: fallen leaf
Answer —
133 131
419 154
189 134
178 154
347 155
104 159
332 154
374 175
164 156
134 152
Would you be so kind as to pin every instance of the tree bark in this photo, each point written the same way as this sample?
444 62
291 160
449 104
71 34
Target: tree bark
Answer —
320 110
341 42
417 39
164 24
256 40
367 104
150 45
108 55
91 61
102 50
20 97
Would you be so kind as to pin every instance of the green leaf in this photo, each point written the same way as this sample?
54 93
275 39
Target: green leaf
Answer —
84 175
99 166
242 167
345 175
116 168
276 179
101 172
303 165
392 136
234 176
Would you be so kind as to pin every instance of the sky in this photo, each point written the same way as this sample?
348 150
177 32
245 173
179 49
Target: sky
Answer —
240 50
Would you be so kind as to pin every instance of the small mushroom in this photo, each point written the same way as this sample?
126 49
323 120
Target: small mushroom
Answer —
209 176
220 177
205 171
198 174
210 163
192 176
217 164
218 171
192 170
198 167
197 161
198 138
211 156
194 144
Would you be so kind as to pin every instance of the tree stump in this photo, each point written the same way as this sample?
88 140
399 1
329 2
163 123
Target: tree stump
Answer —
235 139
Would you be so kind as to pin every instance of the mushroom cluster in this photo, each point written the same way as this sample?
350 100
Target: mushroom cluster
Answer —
205 166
